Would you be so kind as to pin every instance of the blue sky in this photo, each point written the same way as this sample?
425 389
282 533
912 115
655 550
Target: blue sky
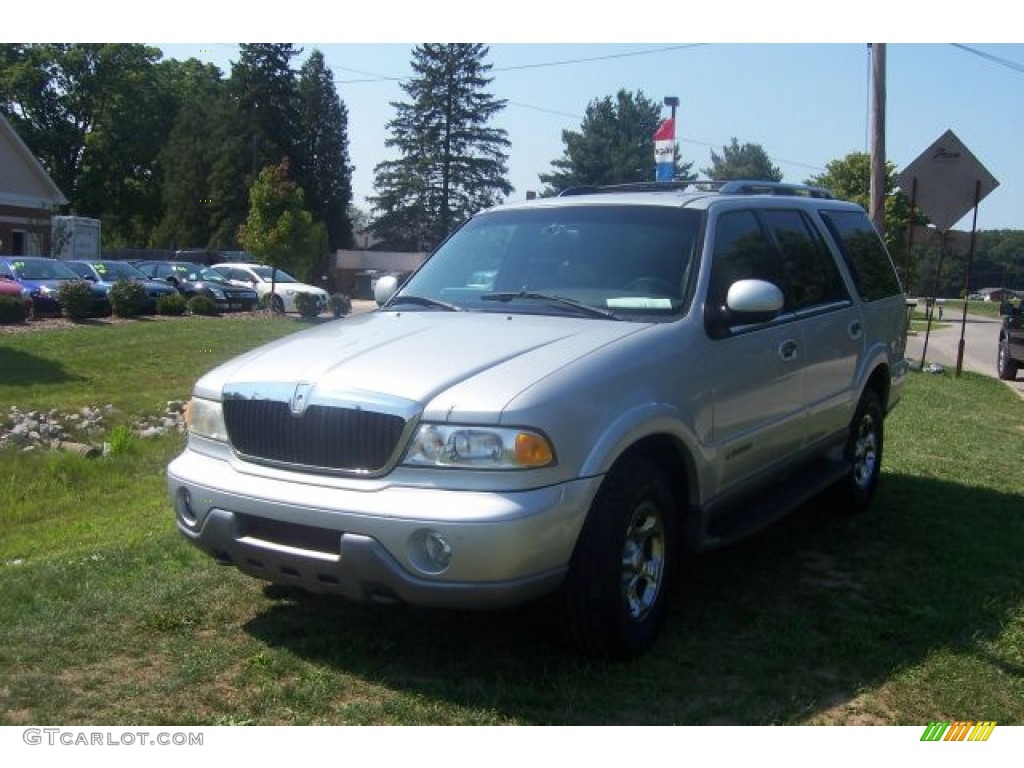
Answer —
797 84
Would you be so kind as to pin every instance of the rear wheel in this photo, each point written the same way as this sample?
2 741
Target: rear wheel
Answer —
864 453
616 595
1006 368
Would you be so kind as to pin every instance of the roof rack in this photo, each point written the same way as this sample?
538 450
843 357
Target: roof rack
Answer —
731 187
773 188
644 186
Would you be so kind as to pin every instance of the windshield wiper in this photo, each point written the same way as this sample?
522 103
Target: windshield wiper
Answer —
423 301
561 300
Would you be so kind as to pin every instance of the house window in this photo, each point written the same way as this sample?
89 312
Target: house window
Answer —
19 242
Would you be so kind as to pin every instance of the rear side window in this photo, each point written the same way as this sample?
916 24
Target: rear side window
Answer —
865 256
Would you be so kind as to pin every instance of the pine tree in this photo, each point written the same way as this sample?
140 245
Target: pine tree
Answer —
266 90
615 145
747 161
452 162
324 172
187 159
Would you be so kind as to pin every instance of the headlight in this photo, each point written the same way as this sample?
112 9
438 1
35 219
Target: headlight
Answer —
217 293
441 445
206 419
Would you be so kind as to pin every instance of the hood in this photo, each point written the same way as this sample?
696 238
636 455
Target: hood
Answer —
418 356
55 284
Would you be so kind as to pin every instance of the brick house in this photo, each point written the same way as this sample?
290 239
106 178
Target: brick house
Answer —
28 197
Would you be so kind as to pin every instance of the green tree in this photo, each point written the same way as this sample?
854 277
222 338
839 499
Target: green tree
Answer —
746 161
188 157
615 145
279 230
266 91
452 163
257 125
87 112
324 170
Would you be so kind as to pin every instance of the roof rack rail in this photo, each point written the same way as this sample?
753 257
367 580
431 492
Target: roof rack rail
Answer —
740 187
679 185
730 187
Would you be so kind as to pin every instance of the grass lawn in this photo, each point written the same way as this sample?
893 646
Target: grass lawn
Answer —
909 613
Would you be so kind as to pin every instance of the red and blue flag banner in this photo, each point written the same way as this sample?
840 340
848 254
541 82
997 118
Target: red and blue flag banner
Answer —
665 150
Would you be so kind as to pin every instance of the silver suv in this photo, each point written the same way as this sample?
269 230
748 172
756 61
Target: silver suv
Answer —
570 395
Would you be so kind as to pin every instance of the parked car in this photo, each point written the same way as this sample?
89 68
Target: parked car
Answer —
42 277
195 279
260 277
650 371
11 287
1010 357
106 273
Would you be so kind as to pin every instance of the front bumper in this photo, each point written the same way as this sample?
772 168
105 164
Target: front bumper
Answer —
368 545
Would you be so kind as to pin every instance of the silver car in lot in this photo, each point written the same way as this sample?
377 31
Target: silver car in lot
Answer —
647 371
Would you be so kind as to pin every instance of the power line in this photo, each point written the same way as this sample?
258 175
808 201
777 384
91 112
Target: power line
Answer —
995 59
375 77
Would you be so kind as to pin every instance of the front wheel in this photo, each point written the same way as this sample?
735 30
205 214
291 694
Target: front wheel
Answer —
1006 368
616 595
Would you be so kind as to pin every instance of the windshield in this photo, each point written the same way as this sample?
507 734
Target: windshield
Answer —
265 274
43 269
117 270
196 272
625 261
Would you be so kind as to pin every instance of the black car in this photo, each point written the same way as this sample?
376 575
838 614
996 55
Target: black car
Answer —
105 273
196 280
42 278
1011 342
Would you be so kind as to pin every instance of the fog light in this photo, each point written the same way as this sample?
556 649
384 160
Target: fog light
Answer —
438 549
430 551
183 505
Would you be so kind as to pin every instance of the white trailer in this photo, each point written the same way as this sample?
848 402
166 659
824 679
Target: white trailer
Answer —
75 237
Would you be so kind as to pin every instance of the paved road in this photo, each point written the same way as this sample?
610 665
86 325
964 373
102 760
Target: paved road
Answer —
981 339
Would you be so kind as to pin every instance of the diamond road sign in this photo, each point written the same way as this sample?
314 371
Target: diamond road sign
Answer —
950 181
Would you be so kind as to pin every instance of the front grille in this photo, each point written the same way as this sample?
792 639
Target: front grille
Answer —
324 437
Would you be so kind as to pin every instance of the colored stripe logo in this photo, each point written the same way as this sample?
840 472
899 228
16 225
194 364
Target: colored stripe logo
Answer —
959 730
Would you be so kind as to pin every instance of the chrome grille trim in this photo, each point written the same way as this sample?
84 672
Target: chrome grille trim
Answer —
294 426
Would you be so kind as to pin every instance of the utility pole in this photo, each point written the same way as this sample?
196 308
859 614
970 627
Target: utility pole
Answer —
878 136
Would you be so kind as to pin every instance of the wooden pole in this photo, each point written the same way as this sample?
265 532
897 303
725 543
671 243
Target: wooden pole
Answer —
878 137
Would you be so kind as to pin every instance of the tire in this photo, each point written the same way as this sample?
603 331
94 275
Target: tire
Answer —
1006 367
277 303
864 453
616 595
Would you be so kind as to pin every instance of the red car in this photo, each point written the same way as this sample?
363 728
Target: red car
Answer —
9 287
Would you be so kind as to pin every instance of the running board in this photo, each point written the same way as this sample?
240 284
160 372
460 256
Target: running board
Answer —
759 510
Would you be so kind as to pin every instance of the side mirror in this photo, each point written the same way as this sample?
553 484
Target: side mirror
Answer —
754 301
385 288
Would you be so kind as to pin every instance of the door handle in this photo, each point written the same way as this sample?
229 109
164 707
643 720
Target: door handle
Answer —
787 350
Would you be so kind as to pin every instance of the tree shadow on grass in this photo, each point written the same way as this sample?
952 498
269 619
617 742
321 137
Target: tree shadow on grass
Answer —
781 628
18 368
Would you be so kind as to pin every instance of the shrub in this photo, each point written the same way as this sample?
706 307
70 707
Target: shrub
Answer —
172 304
75 299
127 298
12 310
202 305
339 304
307 304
